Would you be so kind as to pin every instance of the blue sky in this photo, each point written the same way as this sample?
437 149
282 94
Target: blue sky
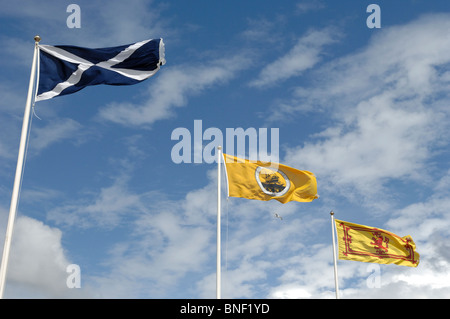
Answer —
364 109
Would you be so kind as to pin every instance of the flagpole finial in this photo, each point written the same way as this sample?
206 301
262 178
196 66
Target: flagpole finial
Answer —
219 147
331 213
37 38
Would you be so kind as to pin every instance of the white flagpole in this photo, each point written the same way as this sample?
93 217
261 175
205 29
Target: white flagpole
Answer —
19 170
218 271
334 255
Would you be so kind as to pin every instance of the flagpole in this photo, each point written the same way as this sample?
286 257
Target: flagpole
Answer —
334 255
218 271
19 170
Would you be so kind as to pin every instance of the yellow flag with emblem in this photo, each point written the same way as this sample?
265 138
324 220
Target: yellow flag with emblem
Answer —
374 245
266 181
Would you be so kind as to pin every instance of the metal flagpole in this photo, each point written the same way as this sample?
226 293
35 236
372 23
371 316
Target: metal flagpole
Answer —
218 274
334 255
19 170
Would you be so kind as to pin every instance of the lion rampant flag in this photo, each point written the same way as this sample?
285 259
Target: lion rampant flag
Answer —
266 181
374 245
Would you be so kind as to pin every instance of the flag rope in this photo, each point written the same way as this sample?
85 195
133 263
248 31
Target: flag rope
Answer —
38 66
218 252
226 239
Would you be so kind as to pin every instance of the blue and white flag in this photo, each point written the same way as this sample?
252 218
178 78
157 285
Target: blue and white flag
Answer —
68 69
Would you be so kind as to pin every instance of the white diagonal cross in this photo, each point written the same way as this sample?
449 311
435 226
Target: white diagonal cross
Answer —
84 65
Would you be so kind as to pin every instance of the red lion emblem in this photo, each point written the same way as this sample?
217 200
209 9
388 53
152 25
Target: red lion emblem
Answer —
378 241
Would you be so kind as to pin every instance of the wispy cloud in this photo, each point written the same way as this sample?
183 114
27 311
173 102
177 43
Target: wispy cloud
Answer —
309 5
163 236
304 55
113 22
105 208
60 129
170 89
380 143
385 109
105 25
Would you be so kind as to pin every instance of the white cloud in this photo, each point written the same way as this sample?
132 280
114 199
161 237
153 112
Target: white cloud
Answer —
101 25
380 142
305 54
170 89
167 243
104 209
56 131
114 18
290 291
162 251
12 107
37 262
309 5
385 111
262 30
408 60
428 219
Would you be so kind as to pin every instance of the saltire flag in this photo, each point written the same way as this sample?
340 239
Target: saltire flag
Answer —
266 181
375 245
67 69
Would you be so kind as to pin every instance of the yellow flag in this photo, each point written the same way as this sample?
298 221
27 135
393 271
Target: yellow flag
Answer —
374 245
266 181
